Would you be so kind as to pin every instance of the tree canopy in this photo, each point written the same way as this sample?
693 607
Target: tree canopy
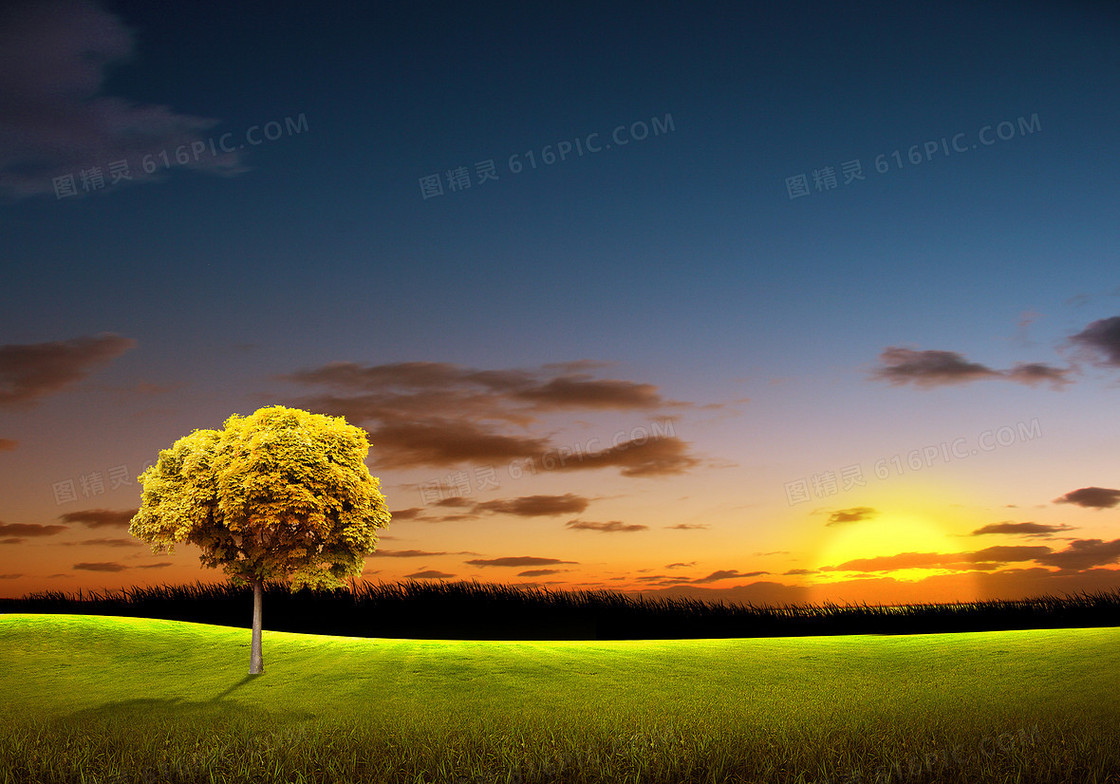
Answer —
281 494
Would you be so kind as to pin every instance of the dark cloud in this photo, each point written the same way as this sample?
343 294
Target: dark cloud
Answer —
1084 554
406 553
109 543
57 120
161 565
445 442
15 576
581 392
939 368
680 565
964 561
717 576
1022 529
613 526
1091 498
407 514
100 518
455 501
1008 553
652 457
688 526
7 444
428 574
539 572
450 518
799 572
440 414
536 505
1102 338
1031 373
30 529
409 388
104 566
726 574
928 368
31 371
519 560
853 515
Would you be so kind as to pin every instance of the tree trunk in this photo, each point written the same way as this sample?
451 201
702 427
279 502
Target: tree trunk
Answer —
256 661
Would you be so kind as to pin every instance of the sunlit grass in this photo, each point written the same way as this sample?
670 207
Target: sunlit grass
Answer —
87 698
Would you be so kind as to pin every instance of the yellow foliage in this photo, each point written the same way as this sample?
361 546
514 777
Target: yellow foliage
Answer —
279 494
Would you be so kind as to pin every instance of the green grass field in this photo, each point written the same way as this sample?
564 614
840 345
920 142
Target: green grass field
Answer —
110 699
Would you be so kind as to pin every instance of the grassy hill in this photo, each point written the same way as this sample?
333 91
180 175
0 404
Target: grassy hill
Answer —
115 699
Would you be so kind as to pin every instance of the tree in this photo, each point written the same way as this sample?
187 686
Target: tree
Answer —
279 495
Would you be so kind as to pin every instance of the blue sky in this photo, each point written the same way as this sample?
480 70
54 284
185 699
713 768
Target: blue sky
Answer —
676 261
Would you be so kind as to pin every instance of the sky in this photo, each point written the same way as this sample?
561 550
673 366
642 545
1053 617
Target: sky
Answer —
778 303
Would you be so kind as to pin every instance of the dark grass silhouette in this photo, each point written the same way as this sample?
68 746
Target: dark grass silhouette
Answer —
486 611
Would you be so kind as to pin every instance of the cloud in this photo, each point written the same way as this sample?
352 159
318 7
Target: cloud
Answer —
928 368
107 543
100 518
1091 498
680 564
716 576
1023 529
439 414
539 572
445 442
1080 555
524 506
688 526
519 560
407 514
15 576
965 561
799 571
103 566
614 526
1084 554
1031 373
406 553
456 500
411 388
429 574
1008 553
853 515
31 371
653 457
726 574
941 368
7 444
579 392
57 120
30 529
1102 338
160 565
535 505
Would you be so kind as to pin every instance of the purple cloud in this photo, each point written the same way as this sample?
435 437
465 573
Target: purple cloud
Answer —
56 120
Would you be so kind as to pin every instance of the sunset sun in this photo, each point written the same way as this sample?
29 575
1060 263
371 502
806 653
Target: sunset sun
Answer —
897 545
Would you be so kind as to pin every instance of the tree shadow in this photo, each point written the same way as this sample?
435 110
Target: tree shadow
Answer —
219 713
234 687
213 732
